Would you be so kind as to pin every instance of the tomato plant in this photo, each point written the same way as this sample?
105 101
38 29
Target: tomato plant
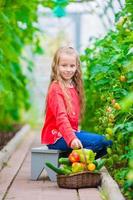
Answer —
108 79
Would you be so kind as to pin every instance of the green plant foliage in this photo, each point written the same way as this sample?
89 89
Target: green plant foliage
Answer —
16 31
108 80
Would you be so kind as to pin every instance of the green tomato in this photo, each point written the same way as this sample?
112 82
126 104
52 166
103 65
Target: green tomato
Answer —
120 137
110 124
107 136
109 162
115 157
109 151
130 175
109 131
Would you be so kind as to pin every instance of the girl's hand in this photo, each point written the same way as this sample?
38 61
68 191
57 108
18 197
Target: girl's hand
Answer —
76 144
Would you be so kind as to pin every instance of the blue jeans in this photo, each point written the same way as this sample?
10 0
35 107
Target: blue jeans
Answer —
96 142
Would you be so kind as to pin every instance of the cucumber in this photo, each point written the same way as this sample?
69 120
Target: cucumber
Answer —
95 162
65 161
58 170
64 166
101 164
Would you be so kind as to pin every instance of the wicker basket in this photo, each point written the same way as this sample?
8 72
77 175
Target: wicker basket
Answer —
79 180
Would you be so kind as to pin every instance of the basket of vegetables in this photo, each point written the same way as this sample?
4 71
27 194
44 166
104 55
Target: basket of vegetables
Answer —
78 170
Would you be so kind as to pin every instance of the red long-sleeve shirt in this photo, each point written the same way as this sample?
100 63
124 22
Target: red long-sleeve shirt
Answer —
58 123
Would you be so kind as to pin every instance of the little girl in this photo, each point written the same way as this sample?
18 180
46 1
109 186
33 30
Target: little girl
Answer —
65 105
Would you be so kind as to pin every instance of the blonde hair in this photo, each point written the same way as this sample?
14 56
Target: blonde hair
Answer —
77 78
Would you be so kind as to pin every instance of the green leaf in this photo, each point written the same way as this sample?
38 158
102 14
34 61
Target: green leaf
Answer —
98 69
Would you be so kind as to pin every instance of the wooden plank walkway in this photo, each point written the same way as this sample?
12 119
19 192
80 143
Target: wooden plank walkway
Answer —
15 183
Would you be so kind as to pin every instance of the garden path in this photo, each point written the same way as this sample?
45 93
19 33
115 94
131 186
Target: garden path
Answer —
15 180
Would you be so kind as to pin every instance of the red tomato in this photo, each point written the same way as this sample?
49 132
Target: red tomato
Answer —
74 157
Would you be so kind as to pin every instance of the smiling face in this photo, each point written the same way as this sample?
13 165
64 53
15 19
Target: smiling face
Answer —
67 66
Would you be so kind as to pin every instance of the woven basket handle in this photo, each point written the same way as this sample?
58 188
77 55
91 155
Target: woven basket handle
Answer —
84 157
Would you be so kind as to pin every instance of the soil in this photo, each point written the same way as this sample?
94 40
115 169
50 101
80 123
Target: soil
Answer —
5 137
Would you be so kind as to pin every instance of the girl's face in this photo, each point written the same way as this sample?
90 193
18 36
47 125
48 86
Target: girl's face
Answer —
67 66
